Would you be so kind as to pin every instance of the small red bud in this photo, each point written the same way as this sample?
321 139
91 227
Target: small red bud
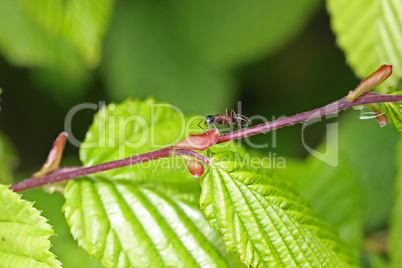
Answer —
53 160
382 119
371 82
196 168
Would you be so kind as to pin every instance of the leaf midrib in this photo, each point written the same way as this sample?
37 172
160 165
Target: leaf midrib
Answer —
255 249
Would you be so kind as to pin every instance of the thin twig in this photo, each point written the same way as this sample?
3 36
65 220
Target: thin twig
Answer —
294 119
76 172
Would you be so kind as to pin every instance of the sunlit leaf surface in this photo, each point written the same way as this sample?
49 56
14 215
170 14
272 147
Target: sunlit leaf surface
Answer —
369 32
24 234
146 215
264 221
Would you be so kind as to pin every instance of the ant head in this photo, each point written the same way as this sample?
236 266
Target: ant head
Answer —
209 120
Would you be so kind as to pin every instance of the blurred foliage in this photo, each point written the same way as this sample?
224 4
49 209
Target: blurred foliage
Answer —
395 238
81 23
371 151
334 192
8 160
375 261
25 43
183 51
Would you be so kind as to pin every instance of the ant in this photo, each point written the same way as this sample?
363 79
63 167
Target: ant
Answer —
222 119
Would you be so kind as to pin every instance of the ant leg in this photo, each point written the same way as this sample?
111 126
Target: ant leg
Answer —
234 117
201 126
241 122
233 114
247 122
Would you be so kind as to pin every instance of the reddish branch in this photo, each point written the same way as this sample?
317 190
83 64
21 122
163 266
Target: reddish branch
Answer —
76 172
337 106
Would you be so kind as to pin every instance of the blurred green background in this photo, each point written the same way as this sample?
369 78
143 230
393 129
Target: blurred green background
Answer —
201 57
181 54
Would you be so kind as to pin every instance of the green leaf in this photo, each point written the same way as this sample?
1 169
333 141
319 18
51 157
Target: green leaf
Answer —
181 51
82 23
128 225
63 244
132 127
264 221
146 215
395 236
393 111
369 34
24 234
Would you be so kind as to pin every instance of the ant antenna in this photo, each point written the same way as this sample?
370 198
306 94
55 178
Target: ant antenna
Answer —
201 126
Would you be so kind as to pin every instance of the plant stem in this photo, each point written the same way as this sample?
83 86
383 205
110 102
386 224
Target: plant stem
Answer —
76 172
337 106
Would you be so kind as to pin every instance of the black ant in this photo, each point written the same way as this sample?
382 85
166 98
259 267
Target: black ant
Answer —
222 119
